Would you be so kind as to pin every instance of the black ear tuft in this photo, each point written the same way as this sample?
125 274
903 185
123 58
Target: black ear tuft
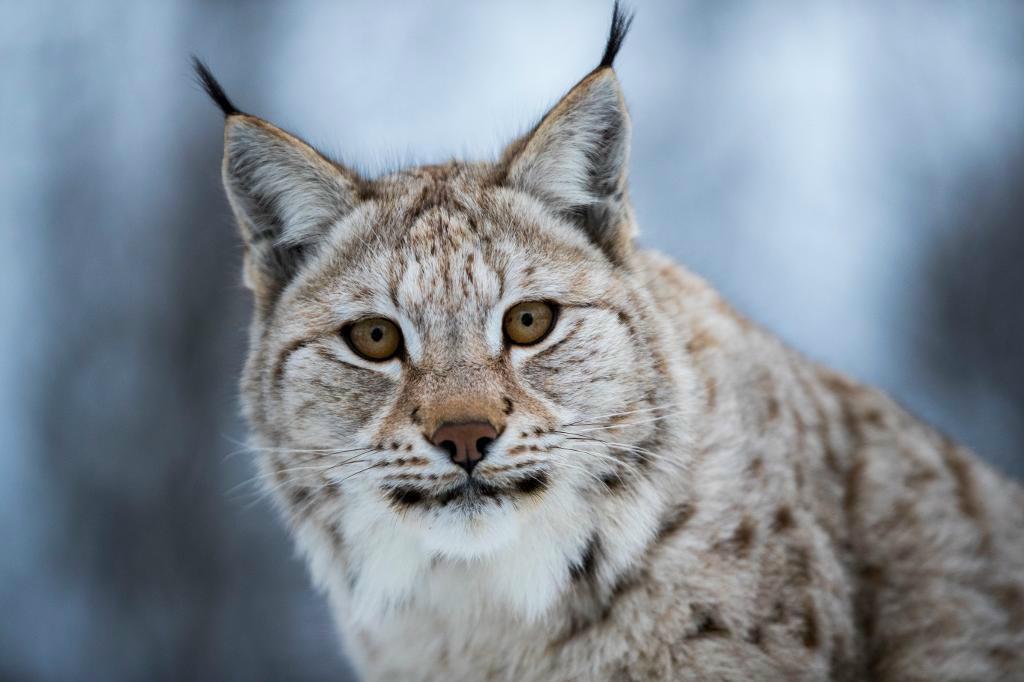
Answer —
212 87
621 21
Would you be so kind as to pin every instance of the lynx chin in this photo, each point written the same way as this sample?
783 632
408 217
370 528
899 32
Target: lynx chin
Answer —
511 445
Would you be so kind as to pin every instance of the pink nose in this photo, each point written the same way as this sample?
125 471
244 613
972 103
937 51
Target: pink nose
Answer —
466 443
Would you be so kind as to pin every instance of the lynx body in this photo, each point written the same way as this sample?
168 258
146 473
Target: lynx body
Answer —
666 490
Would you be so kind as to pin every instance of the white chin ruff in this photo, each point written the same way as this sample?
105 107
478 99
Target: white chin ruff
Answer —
462 535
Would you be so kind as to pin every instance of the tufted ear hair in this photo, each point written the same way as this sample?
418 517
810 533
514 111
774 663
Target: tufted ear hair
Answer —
576 158
284 193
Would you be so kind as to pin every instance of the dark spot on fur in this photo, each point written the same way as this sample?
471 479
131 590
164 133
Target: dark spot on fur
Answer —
921 475
778 613
809 634
700 341
509 407
613 481
743 537
870 581
854 479
586 566
1011 598
299 496
902 516
799 562
405 497
435 193
445 498
534 483
966 494
783 520
639 456
282 357
1003 656
414 416
624 584
851 423
578 625
837 383
486 489
755 635
831 461
674 520
839 656
707 622
337 538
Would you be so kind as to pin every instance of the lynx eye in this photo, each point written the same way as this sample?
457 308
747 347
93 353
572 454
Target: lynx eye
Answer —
374 338
528 322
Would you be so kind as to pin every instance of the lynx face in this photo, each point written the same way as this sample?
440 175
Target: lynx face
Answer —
459 432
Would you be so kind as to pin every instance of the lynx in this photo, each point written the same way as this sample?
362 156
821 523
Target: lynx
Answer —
512 445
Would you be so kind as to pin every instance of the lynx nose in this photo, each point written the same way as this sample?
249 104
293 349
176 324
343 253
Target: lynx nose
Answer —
466 443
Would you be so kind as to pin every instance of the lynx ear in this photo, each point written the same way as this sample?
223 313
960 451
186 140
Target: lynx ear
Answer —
285 196
284 193
576 158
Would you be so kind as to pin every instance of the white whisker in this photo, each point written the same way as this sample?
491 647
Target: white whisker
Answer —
608 427
594 419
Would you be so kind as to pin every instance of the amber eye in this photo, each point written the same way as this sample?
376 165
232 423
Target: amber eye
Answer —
374 338
529 322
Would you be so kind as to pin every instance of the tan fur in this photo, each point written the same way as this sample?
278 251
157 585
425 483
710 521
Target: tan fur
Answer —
675 494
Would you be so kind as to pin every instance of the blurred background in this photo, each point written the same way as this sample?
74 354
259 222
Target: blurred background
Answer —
850 174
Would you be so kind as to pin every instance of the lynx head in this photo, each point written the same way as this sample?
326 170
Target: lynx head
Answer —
452 360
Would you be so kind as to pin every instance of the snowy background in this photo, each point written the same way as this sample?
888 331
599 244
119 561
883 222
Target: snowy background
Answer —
849 174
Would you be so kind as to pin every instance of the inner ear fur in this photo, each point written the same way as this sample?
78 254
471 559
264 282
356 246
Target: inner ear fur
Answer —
576 161
285 196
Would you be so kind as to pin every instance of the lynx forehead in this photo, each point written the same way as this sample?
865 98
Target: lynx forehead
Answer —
513 446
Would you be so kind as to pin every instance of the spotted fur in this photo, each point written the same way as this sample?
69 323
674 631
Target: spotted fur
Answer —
674 493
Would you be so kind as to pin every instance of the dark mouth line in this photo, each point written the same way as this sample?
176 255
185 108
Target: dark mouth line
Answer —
470 491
